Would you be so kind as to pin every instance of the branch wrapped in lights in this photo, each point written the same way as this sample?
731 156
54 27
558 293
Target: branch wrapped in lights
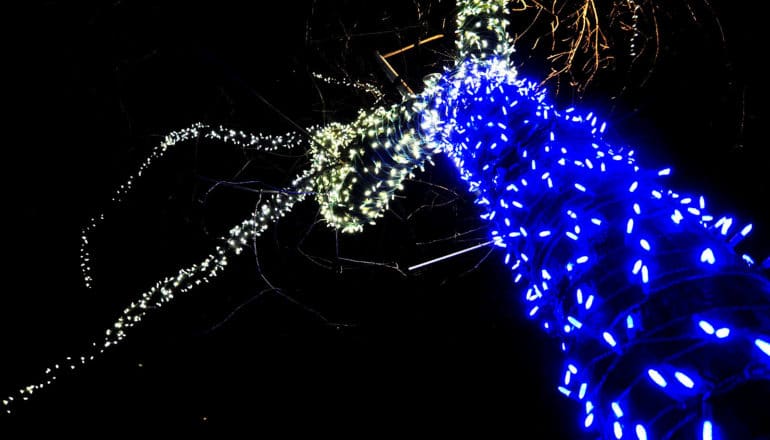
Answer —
656 314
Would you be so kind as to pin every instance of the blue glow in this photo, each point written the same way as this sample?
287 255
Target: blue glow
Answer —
657 378
617 429
725 222
746 229
707 256
684 379
641 432
763 345
609 339
617 410
582 391
582 281
706 327
708 433
589 302
574 322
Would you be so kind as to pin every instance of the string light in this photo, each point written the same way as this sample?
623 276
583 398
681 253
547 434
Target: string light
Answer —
636 290
664 278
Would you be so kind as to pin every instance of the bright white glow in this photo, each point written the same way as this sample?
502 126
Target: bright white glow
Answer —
723 333
708 430
664 172
617 410
763 345
707 256
609 339
706 327
684 379
574 322
657 378
726 225
589 420
617 429
629 321
644 244
641 433
746 229
582 391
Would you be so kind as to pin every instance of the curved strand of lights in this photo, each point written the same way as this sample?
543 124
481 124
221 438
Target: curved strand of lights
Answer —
268 211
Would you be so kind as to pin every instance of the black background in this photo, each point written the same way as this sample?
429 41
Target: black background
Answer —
359 349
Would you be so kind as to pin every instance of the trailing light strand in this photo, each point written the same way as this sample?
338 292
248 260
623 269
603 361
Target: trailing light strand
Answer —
655 312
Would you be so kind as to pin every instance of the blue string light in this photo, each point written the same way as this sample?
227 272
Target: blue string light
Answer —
655 311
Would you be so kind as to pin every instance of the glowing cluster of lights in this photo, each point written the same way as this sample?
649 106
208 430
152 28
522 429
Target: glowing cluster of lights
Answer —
358 167
481 30
640 284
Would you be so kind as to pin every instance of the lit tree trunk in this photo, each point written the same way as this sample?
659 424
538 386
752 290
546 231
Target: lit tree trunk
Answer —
663 326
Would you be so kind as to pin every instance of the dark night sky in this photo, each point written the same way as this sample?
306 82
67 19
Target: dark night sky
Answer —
359 350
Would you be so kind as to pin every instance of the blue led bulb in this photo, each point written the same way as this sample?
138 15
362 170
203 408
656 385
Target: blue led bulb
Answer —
656 312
